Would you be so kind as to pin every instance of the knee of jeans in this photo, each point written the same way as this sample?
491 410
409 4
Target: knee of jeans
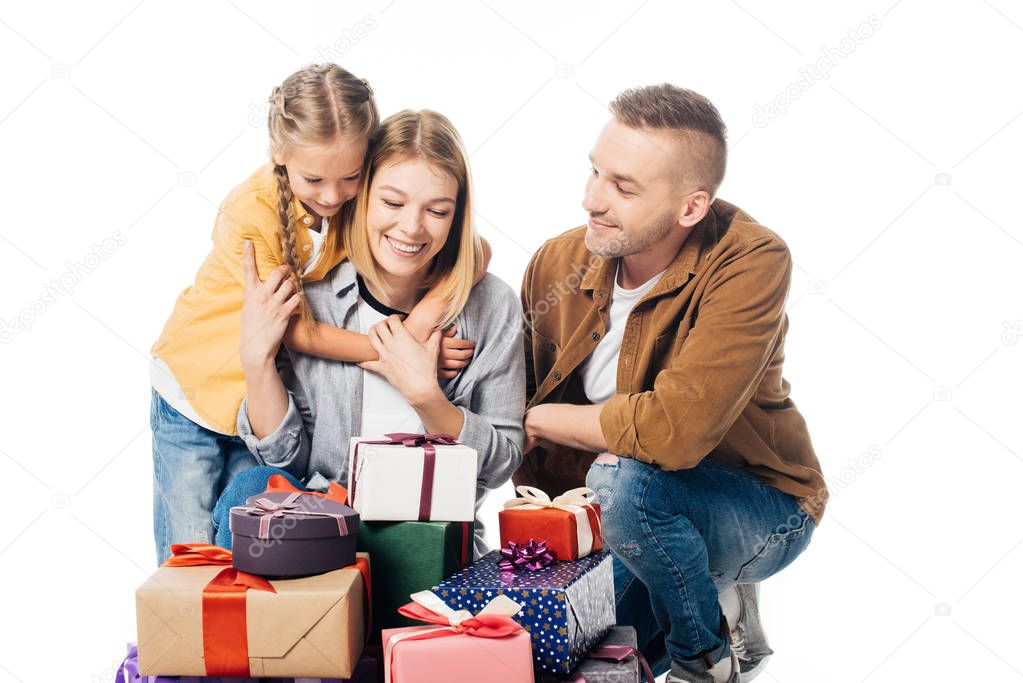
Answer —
602 480
244 484
253 478
620 497
622 532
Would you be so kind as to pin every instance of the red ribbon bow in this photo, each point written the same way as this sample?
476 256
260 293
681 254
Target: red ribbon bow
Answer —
336 492
480 626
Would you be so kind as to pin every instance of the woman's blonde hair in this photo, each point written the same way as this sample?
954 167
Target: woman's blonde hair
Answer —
429 136
314 107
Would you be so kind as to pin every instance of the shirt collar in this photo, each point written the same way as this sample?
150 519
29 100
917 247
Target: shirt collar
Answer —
343 278
302 216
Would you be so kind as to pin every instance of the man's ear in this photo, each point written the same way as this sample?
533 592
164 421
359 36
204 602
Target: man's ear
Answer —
695 206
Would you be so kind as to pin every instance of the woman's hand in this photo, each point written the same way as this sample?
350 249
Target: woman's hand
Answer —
267 308
410 367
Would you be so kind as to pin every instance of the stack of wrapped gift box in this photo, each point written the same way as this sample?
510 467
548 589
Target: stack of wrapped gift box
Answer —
416 495
291 600
314 587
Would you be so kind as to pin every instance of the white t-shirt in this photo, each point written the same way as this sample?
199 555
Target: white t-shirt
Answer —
600 370
384 409
318 239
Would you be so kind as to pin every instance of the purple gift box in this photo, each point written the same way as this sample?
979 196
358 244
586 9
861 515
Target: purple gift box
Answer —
365 672
289 534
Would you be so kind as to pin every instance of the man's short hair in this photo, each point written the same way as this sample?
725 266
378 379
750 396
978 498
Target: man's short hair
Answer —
693 116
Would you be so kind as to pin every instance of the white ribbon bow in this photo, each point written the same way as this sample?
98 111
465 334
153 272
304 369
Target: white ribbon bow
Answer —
501 605
580 497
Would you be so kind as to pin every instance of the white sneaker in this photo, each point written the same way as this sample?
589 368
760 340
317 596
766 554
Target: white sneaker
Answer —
740 605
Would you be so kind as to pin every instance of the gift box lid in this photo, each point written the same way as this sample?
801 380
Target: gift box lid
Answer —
309 517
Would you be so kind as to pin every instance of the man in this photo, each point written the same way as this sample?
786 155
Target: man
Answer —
655 337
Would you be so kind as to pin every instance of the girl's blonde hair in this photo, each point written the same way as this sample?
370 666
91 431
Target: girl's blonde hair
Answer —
314 107
429 136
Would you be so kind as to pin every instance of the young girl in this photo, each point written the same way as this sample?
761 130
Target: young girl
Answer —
292 210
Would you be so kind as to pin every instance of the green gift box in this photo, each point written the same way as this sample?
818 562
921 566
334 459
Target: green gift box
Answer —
408 557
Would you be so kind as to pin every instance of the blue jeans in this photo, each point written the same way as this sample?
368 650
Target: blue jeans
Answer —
681 537
191 466
241 486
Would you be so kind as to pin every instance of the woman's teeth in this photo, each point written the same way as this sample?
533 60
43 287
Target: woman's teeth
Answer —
404 248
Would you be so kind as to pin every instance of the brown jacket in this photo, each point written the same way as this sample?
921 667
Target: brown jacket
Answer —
700 369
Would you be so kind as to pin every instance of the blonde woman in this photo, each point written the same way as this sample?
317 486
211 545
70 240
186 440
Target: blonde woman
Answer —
291 212
411 234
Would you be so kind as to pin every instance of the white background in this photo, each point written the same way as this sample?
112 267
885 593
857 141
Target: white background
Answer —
895 182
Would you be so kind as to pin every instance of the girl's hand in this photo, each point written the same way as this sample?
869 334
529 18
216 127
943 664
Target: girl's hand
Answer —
267 308
455 353
410 367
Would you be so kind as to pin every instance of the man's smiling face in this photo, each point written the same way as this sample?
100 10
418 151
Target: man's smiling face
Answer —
634 191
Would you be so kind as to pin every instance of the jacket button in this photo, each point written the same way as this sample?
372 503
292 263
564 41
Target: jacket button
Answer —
596 336
307 247
307 219
557 376
552 346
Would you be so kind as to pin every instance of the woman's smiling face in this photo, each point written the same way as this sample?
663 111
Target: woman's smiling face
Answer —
411 208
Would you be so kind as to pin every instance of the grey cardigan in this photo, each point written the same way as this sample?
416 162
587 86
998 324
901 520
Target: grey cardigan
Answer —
325 396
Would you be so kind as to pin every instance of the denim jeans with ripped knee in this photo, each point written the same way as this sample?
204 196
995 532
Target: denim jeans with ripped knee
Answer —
679 538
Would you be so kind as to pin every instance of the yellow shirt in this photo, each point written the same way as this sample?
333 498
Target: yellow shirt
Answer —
200 340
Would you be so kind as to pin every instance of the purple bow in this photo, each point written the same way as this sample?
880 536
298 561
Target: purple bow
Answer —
266 509
416 440
532 556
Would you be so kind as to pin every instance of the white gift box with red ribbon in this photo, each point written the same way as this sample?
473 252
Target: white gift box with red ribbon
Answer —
412 477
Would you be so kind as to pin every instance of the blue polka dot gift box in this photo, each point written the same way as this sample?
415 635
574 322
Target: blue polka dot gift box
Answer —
567 607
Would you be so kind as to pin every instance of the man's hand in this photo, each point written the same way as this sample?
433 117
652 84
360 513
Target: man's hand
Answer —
455 353
266 310
533 438
532 424
565 424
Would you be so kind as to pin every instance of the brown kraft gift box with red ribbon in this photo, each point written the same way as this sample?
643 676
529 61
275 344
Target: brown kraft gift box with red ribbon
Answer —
199 616
570 524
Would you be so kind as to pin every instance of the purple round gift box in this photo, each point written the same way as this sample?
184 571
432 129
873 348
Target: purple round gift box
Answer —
296 542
